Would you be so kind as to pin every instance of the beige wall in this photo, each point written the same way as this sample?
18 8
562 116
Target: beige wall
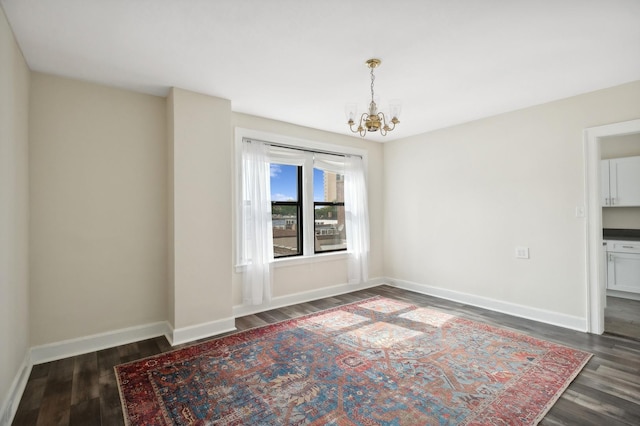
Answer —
459 200
201 200
620 146
171 316
98 198
302 278
14 209
95 151
616 147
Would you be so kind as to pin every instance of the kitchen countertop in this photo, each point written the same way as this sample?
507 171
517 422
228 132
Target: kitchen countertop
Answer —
621 234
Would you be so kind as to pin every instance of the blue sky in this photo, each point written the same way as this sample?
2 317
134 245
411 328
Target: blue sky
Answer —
283 183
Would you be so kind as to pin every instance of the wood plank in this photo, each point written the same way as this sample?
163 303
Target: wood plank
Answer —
110 406
86 413
622 317
163 344
26 417
107 359
85 378
148 347
567 412
56 401
250 321
128 352
33 394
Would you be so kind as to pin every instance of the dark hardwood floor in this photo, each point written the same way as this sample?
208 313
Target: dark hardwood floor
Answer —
82 390
622 317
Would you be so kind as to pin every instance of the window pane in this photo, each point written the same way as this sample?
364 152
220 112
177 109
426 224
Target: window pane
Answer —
284 182
330 233
285 230
328 186
285 208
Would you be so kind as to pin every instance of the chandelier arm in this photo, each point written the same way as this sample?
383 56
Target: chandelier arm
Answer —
363 117
383 120
363 129
386 124
384 129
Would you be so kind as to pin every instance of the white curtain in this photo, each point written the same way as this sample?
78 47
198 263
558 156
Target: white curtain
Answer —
257 231
357 219
329 162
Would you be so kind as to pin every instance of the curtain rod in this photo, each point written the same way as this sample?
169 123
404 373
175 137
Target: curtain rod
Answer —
297 148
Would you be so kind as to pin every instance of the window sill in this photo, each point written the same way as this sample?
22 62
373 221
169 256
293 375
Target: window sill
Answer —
303 260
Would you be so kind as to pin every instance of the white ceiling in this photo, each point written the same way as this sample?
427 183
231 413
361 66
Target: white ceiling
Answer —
302 61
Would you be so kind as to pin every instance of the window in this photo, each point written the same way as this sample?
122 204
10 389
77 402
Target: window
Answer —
297 199
286 209
329 215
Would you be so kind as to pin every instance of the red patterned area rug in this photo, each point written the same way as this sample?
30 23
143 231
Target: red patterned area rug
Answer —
374 362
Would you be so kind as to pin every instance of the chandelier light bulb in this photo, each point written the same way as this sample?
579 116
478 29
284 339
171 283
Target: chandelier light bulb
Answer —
351 111
395 109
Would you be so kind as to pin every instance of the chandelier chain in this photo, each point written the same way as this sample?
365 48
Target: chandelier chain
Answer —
373 77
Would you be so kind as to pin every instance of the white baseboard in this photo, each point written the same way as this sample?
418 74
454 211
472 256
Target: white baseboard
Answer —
306 296
96 342
623 294
188 334
10 405
536 314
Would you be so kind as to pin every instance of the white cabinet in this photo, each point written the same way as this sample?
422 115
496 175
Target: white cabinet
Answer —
620 182
623 266
605 193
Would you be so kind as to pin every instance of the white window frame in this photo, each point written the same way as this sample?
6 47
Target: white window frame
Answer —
308 255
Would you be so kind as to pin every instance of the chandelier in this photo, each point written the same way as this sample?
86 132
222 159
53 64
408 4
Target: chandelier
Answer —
373 120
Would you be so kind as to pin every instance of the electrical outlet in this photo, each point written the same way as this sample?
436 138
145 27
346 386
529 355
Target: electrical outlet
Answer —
522 252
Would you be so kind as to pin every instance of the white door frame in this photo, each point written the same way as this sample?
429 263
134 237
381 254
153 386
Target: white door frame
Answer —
595 283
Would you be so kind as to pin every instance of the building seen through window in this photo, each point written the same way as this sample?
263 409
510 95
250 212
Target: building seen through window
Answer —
329 217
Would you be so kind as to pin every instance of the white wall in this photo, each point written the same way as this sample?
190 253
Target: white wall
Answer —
302 278
459 200
14 212
616 147
98 198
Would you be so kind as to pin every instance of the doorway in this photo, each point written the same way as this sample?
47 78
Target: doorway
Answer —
596 279
622 310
